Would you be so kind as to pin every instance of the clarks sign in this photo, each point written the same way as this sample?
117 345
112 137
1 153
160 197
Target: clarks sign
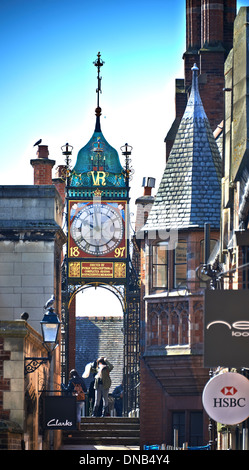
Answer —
226 328
59 413
226 398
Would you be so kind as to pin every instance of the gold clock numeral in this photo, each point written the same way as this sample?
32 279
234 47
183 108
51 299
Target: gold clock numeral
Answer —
74 251
119 252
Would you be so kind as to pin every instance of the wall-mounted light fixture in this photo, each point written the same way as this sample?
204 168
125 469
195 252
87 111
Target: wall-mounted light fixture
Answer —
50 325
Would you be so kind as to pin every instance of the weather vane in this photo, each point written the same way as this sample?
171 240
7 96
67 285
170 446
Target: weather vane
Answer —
98 63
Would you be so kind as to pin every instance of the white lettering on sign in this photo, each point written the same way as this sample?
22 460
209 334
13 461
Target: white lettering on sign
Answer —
56 422
238 325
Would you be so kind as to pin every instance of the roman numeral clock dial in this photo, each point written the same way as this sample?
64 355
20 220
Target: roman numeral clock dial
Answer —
97 229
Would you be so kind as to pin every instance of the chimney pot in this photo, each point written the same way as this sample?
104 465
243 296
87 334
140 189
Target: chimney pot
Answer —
42 151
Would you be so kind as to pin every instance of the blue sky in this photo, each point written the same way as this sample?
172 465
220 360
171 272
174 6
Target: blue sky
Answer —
48 81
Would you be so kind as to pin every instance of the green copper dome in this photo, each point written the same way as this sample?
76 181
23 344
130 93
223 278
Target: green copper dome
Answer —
98 162
97 159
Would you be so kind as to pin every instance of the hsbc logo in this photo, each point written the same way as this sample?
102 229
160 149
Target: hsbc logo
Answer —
229 390
242 326
229 402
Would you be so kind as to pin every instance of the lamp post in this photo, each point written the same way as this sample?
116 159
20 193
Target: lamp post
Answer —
126 151
50 325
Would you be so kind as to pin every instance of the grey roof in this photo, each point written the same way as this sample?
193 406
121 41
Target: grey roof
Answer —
190 190
100 336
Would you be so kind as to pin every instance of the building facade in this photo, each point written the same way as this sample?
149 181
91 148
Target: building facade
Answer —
209 38
172 282
31 242
234 237
189 195
234 251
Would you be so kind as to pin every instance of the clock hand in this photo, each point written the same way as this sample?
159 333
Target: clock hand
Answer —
97 226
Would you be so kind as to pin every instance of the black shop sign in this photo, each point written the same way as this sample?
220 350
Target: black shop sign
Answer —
226 328
59 412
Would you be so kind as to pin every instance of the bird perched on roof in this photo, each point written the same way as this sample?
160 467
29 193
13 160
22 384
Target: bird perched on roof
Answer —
50 302
24 316
38 142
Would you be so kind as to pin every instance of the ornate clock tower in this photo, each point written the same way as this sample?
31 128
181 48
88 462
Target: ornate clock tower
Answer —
98 237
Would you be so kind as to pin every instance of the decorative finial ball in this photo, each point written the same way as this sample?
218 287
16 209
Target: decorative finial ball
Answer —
98 111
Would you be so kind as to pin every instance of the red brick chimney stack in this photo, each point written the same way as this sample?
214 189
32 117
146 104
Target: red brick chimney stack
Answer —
209 38
60 180
42 166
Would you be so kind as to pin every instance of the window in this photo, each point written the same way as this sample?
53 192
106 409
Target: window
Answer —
189 425
180 265
160 265
178 423
196 428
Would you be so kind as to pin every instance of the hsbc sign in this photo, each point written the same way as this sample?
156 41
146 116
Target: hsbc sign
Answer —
226 328
226 398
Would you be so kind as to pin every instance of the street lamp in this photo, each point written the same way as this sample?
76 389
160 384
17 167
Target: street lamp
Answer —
50 325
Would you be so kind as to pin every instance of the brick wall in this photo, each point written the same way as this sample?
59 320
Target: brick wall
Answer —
10 440
209 38
152 421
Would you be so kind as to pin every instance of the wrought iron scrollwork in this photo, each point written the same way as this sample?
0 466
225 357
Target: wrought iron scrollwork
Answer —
33 363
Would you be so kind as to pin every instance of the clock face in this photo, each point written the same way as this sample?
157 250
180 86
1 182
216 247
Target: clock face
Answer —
97 229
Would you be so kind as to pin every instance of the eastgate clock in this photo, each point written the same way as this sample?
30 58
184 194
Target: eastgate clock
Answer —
97 228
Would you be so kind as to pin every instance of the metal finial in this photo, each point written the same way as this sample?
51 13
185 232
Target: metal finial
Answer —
98 63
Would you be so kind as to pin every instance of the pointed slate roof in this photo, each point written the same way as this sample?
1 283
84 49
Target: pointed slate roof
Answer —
190 190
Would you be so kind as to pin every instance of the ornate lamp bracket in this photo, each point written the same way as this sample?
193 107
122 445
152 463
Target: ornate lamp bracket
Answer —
33 363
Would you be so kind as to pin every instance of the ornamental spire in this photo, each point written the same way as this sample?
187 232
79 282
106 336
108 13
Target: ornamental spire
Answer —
98 63
194 108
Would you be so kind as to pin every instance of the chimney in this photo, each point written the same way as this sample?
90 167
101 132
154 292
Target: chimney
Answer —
60 180
42 166
144 203
148 183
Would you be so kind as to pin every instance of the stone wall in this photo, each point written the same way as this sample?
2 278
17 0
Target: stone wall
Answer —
19 392
30 244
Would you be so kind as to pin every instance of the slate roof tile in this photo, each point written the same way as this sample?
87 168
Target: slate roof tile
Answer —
190 190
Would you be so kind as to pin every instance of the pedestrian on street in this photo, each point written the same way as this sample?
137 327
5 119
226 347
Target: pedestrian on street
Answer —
76 386
102 383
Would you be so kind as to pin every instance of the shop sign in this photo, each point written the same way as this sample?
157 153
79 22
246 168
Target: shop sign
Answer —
226 398
59 413
226 328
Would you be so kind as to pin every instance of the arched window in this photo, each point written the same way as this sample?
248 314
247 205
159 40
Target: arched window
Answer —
160 266
174 329
184 338
180 265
